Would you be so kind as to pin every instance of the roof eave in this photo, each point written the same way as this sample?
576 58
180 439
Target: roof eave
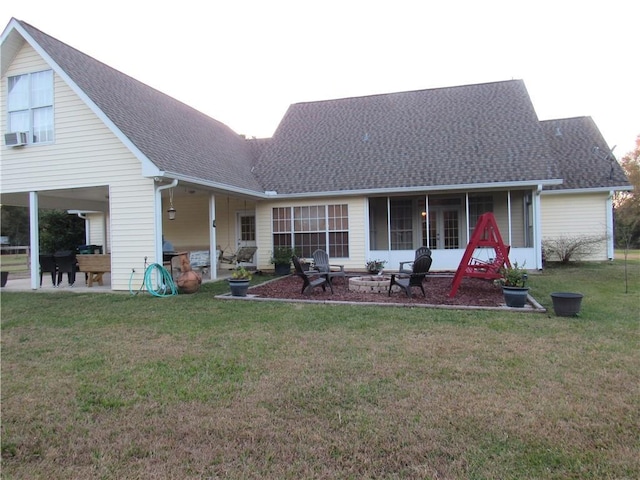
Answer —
620 188
421 189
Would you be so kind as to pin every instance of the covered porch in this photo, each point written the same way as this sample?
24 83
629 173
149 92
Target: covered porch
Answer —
444 222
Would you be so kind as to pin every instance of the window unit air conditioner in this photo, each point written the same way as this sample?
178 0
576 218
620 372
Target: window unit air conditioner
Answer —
16 139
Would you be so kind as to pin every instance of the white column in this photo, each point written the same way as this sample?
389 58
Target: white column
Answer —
213 238
537 227
35 240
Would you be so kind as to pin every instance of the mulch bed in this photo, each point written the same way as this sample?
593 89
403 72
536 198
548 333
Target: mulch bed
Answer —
472 292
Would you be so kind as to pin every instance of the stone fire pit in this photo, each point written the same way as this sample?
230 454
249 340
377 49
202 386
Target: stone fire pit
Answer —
370 284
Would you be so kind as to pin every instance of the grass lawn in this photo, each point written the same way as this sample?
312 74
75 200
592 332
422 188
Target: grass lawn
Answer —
112 386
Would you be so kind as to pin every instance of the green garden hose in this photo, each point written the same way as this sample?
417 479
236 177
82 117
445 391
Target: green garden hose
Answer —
157 281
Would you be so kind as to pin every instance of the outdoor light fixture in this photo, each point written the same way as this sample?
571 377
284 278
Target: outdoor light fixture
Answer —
171 211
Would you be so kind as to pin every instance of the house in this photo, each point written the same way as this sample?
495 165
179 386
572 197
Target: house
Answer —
366 177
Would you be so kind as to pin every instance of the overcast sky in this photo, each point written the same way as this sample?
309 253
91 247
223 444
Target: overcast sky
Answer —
244 62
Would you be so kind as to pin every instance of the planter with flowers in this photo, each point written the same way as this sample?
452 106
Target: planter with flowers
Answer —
375 266
514 287
239 281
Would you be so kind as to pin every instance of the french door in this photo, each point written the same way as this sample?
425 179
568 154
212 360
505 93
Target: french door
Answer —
444 228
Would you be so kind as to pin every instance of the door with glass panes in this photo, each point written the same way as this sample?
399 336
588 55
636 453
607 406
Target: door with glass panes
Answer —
444 227
246 232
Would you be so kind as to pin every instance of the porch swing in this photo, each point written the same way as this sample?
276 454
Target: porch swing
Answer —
242 254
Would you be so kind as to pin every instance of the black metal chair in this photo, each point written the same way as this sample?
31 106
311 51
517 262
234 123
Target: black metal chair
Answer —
419 252
48 265
311 279
406 281
67 263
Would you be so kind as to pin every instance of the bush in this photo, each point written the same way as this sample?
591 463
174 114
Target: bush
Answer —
568 248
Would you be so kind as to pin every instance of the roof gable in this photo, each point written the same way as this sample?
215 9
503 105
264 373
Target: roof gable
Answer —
176 138
475 134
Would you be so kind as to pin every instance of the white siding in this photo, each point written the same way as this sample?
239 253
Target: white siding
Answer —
574 215
85 153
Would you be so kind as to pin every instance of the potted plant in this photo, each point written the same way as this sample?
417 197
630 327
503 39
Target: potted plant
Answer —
281 258
375 266
514 287
239 281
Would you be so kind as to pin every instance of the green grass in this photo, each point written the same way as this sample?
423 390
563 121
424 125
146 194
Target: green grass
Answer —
117 386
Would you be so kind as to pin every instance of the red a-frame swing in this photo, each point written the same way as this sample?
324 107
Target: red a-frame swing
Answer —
485 235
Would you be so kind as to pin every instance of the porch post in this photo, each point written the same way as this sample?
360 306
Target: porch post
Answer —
610 231
509 216
537 227
34 237
213 239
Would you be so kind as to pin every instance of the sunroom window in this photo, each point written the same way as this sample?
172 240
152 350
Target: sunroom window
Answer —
30 105
308 228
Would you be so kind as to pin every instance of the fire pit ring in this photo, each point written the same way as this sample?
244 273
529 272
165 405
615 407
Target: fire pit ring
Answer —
370 284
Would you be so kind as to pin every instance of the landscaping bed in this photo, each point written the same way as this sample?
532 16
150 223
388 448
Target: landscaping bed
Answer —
472 292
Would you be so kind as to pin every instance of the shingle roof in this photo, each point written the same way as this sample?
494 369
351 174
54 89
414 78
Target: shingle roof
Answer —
484 133
582 154
172 135
473 134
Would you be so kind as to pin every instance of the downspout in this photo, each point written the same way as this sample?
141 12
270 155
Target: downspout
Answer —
537 215
86 230
159 217
610 230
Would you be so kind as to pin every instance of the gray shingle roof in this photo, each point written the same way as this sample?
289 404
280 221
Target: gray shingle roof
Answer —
473 134
174 136
462 135
581 152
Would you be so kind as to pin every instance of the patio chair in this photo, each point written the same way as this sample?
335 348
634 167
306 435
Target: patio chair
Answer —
408 269
244 254
322 264
310 280
406 281
67 263
48 265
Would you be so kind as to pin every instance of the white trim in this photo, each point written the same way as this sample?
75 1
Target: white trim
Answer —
424 188
573 191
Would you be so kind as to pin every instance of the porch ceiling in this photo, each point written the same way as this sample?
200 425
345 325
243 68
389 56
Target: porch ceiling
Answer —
91 198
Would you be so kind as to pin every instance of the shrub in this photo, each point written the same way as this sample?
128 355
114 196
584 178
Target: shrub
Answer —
567 248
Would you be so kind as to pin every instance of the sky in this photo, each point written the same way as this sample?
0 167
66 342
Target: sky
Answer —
244 62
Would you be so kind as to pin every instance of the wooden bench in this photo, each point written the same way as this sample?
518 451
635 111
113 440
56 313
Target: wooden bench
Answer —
94 266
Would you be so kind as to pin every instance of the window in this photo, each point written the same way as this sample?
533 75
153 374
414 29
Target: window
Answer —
30 105
401 223
309 228
478 204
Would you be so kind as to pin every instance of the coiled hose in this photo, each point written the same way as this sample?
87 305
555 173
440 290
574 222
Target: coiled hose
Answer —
157 281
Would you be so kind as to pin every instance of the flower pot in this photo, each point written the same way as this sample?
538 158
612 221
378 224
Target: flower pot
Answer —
3 278
566 304
283 268
238 287
515 296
